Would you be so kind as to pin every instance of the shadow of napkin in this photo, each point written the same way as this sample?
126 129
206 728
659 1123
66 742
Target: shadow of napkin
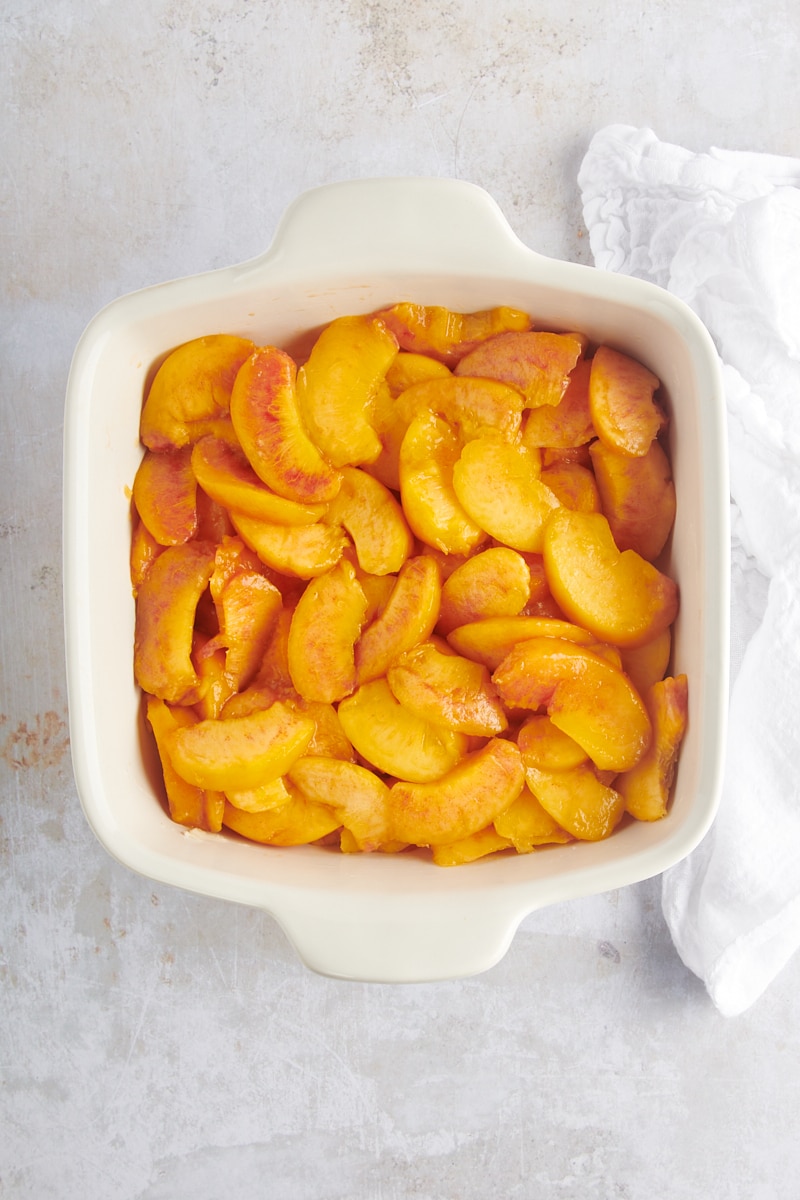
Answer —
721 230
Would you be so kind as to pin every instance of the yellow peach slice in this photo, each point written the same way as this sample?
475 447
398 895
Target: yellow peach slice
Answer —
624 413
647 664
252 699
493 583
447 335
646 788
428 454
408 618
476 407
215 685
300 551
390 424
573 486
567 424
526 824
296 823
409 368
447 689
165 495
585 696
264 798
247 609
470 848
226 476
166 604
498 486
358 797
537 364
267 421
236 753
325 626
375 521
543 745
329 739
187 803
618 595
465 800
578 801
336 386
396 741
638 497
190 393
488 641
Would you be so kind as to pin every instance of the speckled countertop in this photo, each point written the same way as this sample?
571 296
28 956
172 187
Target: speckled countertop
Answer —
156 1045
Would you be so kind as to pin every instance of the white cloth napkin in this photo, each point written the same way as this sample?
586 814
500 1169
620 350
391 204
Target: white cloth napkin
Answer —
721 230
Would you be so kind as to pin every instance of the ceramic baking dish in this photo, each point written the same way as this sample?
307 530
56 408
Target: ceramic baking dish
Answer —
348 248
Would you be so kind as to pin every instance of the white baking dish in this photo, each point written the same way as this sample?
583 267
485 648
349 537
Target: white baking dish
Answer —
349 248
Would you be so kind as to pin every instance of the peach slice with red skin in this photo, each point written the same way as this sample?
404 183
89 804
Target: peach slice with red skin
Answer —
584 695
336 386
325 627
468 798
617 595
237 753
646 787
375 521
498 486
408 618
538 364
447 335
166 604
190 393
224 473
428 454
493 583
565 425
638 497
624 414
357 796
247 608
267 422
447 689
578 801
165 495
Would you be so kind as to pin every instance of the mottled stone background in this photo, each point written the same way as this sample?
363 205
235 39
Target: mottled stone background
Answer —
161 1046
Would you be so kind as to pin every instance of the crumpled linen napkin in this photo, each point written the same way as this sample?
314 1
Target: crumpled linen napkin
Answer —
721 230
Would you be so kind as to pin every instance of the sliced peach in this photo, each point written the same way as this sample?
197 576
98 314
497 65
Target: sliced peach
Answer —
409 368
236 753
336 386
466 799
408 618
470 848
585 696
273 674
638 497
535 363
447 335
396 741
618 595
166 604
264 798
190 393
300 551
165 495
226 476
325 627
624 413
428 454
296 823
646 788
213 521
476 407
498 486
647 664
567 424
187 803
526 824
375 521
543 745
329 739
357 796
215 685
447 689
493 583
573 486
267 422
578 801
254 698
390 424
488 641
247 609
